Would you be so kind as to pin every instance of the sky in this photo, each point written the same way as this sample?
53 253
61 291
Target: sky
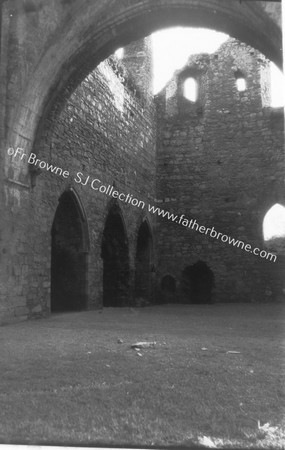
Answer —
173 46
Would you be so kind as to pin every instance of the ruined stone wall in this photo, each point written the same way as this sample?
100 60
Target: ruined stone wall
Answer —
105 132
137 56
47 48
220 161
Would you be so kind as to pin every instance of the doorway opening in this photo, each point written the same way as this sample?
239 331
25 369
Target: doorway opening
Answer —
115 255
143 284
198 283
68 256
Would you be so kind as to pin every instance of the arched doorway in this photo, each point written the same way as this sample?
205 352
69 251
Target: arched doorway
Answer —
115 255
68 256
197 283
143 263
168 289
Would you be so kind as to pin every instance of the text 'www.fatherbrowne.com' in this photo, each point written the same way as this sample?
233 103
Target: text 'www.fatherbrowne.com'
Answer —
194 225
96 185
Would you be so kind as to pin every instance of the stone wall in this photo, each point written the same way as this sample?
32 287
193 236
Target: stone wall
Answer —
220 162
105 132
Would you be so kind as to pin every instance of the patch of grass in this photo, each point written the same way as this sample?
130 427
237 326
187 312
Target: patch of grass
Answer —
67 380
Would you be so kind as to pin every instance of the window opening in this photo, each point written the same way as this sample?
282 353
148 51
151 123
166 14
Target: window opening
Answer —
190 89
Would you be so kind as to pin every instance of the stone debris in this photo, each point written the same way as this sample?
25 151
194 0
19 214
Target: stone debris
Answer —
206 441
267 427
120 341
145 344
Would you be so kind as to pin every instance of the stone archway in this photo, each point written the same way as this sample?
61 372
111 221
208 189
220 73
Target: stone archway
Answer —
143 263
89 32
68 257
168 289
115 255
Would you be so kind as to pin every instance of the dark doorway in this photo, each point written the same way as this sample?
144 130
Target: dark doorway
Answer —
68 257
115 254
143 284
168 284
168 289
197 283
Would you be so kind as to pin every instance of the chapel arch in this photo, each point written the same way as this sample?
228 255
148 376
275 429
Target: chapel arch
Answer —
69 252
144 263
168 284
115 255
168 289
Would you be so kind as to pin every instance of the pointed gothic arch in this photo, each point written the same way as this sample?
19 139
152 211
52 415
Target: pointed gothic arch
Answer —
69 251
115 255
143 263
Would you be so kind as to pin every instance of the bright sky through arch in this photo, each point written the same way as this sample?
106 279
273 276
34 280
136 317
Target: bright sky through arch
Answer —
173 46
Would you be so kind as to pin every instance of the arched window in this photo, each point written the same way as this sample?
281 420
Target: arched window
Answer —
190 89
274 223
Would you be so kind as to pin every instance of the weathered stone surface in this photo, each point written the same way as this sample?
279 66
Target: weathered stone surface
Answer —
37 309
223 159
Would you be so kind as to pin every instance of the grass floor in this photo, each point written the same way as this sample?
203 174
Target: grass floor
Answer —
73 379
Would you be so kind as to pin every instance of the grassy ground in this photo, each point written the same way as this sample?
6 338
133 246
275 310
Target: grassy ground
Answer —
67 379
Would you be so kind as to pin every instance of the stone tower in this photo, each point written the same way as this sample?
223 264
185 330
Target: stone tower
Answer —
220 163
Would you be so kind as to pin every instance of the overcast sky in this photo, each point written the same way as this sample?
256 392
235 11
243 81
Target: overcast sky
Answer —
173 46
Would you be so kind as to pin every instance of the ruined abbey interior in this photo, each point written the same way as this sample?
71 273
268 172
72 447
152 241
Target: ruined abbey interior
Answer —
93 164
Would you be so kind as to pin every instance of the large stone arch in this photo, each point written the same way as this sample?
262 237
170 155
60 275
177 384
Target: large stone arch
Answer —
90 31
